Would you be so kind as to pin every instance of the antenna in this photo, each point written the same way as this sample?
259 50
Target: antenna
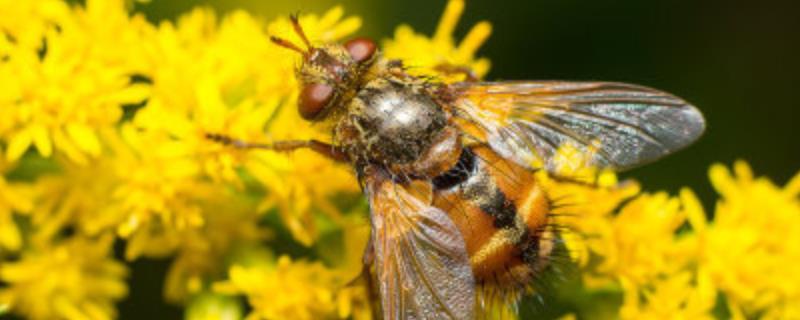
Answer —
291 46
288 45
299 30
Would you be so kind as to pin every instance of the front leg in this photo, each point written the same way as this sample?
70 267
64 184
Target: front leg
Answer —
330 151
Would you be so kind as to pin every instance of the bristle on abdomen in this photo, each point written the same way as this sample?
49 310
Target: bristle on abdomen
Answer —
502 214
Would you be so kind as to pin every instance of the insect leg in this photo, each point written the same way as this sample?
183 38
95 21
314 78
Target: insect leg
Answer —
325 149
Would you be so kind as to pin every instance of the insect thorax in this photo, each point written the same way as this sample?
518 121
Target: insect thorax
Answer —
391 122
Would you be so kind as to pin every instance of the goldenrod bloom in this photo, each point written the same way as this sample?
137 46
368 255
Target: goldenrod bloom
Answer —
752 242
103 123
28 21
290 289
423 54
76 279
681 295
14 197
56 96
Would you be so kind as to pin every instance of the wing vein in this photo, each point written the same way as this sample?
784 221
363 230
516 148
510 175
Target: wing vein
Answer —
641 131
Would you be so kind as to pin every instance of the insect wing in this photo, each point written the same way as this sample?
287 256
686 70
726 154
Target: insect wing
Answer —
421 261
618 125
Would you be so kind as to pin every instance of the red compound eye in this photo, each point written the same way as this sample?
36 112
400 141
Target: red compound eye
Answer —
361 49
313 99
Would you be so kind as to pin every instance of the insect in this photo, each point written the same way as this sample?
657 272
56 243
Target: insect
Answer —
447 168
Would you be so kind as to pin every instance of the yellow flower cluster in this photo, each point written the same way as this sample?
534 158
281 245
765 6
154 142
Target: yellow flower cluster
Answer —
103 117
297 289
75 279
669 260
750 246
423 55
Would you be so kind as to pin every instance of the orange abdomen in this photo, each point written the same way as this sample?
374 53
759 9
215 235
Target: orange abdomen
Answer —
502 214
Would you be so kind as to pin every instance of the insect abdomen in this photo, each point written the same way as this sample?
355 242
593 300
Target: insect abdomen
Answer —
502 214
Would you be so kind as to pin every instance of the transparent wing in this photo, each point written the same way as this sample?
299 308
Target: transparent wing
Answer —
421 261
619 125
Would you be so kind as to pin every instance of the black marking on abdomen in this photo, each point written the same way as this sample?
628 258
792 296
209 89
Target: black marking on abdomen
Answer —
457 174
477 185
528 246
501 209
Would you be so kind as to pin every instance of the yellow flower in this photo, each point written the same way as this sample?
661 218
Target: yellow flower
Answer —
639 242
76 279
14 198
205 253
77 199
752 242
59 100
163 187
291 290
137 195
628 240
231 79
26 22
428 55
742 253
678 296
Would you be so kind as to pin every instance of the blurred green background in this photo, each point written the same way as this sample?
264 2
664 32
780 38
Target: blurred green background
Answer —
737 60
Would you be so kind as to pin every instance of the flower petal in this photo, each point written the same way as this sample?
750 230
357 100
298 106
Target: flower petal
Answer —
84 137
18 144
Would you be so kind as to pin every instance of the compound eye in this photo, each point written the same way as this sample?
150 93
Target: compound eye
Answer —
313 99
360 49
